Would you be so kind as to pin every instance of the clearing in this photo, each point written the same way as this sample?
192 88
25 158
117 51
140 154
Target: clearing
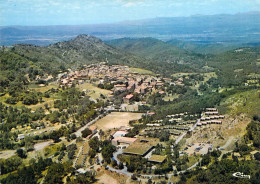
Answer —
116 120
141 71
106 179
93 91
43 89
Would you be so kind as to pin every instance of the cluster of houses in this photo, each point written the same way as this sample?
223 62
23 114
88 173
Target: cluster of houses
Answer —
121 77
177 127
211 116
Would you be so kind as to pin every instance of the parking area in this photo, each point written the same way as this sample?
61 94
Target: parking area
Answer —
198 148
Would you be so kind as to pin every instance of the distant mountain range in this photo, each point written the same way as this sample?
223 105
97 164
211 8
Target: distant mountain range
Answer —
229 30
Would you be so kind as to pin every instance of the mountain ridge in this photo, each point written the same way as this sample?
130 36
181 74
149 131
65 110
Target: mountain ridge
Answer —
238 28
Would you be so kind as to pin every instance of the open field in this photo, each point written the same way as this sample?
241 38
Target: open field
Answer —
206 76
106 179
182 74
116 120
141 71
94 91
44 88
170 97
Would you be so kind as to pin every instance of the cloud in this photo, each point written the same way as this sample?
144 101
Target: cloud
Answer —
129 4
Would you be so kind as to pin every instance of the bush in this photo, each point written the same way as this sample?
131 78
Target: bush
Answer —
11 100
30 99
73 136
21 153
86 132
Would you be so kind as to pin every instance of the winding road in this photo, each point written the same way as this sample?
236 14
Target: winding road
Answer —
125 172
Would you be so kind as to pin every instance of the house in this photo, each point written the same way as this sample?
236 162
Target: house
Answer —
120 134
125 140
158 159
150 113
93 129
128 98
161 92
20 136
211 113
211 109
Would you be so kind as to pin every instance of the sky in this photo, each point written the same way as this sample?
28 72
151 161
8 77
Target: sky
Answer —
78 12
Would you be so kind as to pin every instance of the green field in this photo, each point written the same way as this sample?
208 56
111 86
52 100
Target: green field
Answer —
142 71
94 91
170 97
45 88
206 76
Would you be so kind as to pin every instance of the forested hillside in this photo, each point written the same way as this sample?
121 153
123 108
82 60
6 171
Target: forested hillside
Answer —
161 52
83 49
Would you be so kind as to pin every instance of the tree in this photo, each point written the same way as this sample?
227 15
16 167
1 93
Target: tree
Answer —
92 153
21 153
94 144
28 143
71 154
133 177
55 174
86 132
114 163
121 165
257 156
55 136
73 136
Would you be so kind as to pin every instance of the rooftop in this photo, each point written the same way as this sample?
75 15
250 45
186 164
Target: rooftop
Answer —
139 148
157 158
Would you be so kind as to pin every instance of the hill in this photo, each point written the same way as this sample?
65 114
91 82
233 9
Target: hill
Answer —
236 67
208 47
160 52
148 53
84 49
203 48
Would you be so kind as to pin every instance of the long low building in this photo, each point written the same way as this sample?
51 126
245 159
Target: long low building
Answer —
158 159
123 140
211 113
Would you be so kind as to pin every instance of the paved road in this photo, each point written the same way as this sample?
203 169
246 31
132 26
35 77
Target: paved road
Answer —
41 145
7 154
125 172
78 132
191 129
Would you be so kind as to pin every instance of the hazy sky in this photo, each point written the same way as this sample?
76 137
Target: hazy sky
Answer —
67 12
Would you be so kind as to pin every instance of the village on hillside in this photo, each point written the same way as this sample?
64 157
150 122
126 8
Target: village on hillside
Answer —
121 80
